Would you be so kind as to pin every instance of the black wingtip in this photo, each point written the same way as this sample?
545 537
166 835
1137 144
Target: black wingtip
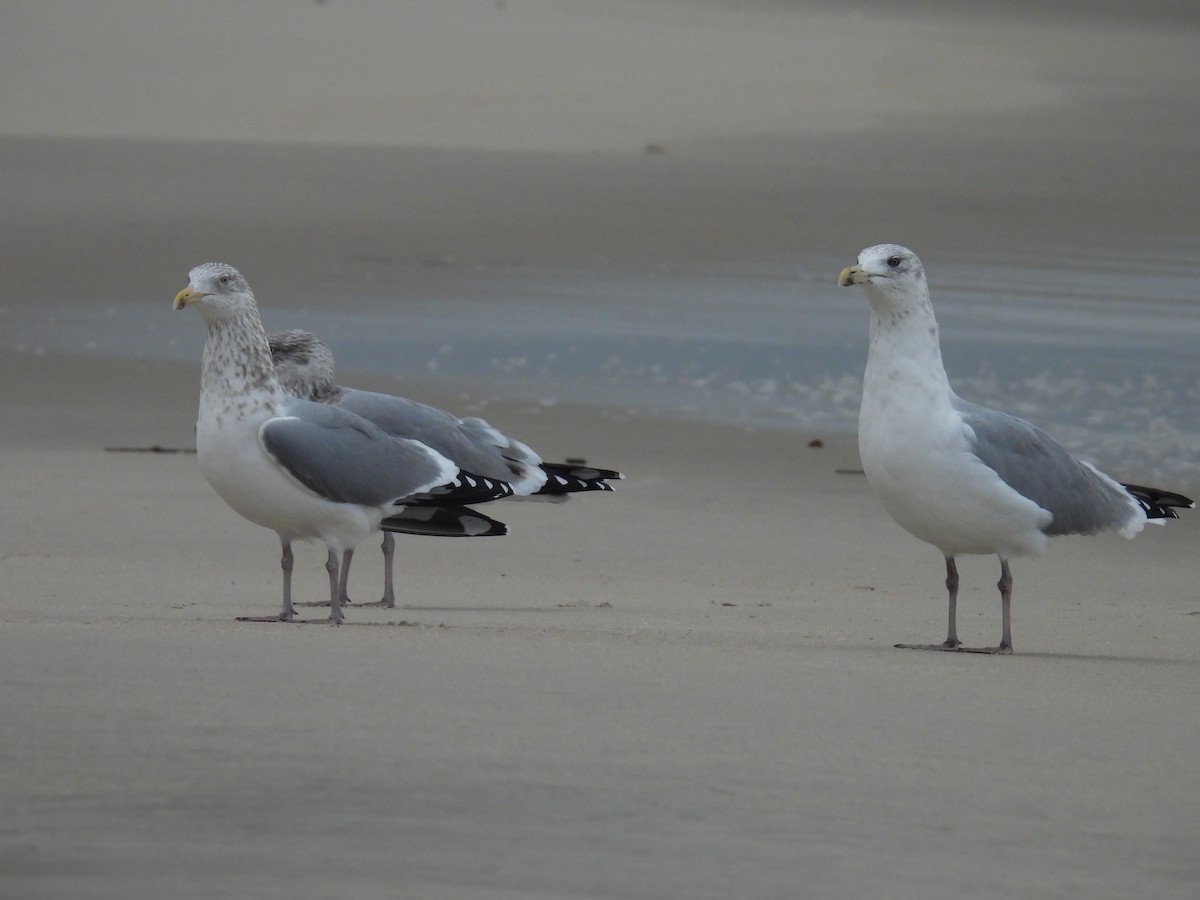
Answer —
467 487
444 521
574 477
1159 504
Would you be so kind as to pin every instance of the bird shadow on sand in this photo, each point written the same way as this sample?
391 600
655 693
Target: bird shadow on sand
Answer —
1059 655
1108 657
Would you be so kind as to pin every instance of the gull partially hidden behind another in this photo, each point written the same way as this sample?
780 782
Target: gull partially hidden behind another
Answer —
963 477
304 367
310 470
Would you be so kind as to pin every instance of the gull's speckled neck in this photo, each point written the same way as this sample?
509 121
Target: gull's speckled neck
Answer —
237 373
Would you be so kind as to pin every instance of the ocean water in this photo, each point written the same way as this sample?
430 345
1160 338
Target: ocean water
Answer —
1103 355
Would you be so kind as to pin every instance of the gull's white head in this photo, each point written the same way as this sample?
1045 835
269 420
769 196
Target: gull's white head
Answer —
220 289
891 274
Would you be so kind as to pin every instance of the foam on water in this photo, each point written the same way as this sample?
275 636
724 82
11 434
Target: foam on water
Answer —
1105 356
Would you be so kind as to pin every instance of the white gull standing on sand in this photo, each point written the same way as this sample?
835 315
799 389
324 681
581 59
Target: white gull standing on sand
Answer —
310 470
963 477
304 367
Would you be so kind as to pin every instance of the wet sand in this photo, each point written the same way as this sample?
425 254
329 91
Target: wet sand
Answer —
685 689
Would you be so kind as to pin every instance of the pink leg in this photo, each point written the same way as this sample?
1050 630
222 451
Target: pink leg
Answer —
288 613
952 641
388 601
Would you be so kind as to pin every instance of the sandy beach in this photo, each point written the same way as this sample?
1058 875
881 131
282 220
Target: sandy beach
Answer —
685 689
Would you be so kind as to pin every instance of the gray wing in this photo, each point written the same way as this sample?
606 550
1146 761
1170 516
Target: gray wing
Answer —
1082 500
347 459
471 444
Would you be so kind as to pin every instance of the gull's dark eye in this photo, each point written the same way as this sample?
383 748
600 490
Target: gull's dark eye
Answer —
893 261
224 279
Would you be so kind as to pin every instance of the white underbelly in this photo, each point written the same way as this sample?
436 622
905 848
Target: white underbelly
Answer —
937 490
234 463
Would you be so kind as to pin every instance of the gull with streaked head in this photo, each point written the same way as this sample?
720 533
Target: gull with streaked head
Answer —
310 471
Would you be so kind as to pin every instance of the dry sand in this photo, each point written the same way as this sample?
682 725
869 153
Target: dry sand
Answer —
686 689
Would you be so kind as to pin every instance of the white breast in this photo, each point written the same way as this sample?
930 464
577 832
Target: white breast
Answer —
234 462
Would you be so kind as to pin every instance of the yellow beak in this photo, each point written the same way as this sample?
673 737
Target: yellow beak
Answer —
187 297
851 275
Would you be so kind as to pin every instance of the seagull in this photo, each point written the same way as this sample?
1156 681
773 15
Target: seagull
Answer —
960 476
304 367
310 470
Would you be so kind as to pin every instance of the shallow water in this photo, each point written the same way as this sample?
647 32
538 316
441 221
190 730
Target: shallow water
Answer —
1103 354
